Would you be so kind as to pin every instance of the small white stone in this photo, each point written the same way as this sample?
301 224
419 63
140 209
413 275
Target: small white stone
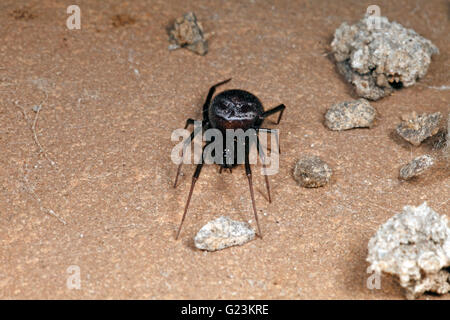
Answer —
223 233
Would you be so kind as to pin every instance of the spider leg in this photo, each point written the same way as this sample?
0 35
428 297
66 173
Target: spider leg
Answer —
194 180
189 122
262 156
248 172
279 109
209 97
185 144
277 138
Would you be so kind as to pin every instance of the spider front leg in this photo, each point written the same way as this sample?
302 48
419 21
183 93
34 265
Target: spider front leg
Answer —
189 122
198 169
248 172
262 156
279 109
187 142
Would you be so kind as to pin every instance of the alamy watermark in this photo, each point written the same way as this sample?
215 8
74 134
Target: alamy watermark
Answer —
73 22
374 19
232 147
74 279
374 280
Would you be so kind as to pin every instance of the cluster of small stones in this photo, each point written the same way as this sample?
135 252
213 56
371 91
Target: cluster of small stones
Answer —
376 56
350 114
415 129
223 233
414 246
187 32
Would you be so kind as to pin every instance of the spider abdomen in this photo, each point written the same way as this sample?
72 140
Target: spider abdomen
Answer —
235 109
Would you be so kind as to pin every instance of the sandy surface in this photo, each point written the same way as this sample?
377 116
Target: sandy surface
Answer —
112 96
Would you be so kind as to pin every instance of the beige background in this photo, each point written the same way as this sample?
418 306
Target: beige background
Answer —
108 129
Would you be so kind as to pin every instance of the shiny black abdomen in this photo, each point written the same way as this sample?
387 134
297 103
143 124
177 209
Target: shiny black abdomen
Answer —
235 109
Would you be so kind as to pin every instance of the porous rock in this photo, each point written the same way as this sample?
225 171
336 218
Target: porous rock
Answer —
350 114
223 233
187 32
416 128
376 55
417 166
414 246
312 172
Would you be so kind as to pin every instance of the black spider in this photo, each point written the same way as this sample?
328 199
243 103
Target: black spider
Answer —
231 109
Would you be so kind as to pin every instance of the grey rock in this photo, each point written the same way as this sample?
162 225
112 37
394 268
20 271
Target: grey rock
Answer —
312 172
376 60
416 128
417 166
187 32
223 233
349 115
414 246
